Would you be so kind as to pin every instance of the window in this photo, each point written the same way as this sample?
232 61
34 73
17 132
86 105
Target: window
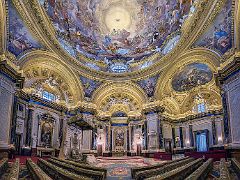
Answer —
199 104
48 96
201 107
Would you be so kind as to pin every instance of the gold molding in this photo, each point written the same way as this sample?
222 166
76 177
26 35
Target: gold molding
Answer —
3 27
44 59
236 28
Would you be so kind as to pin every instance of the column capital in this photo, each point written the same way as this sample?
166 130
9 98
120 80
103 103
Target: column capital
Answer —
12 71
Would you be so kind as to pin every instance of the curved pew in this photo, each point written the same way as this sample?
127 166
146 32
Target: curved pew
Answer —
36 172
236 166
59 173
157 171
179 173
3 166
97 175
202 172
14 172
84 166
139 169
224 173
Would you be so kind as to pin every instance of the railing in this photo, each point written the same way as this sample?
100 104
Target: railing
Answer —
181 172
154 172
140 169
3 166
36 172
224 173
202 172
84 166
236 166
59 173
97 175
14 172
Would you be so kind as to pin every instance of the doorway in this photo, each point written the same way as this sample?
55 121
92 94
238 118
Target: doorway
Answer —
202 141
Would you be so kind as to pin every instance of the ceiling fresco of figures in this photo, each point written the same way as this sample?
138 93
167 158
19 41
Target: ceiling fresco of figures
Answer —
89 86
191 76
105 30
20 39
219 34
148 85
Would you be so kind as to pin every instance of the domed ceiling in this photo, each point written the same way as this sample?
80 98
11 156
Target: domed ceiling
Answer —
117 32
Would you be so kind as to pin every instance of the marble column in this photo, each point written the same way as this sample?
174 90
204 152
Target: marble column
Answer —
130 136
14 120
173 137
145 136
94 140
29 126
181 136
128 140
107 140
214 132
226 121
10 80
6 103
191 138
160 133
64 136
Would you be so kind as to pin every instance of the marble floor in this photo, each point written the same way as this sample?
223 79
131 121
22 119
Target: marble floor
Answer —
120 167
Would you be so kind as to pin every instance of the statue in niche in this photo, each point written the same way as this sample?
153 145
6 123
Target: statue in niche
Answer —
46 134
177 141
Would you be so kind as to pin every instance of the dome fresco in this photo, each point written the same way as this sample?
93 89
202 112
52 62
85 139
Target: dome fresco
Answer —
191 76
125 30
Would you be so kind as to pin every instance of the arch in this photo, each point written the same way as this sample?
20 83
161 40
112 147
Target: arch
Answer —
114 96
211 96
197 55
43 59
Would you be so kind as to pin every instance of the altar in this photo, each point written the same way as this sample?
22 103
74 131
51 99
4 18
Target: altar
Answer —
119 153
42 151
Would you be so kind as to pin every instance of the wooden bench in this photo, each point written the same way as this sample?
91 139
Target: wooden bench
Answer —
139 169
168 167
181 172
236 166
84 166
58 173
3 166
14 172
224 173
202 172
36 172
97 175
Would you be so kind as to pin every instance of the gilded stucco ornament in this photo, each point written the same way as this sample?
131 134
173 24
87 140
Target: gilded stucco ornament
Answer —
35 62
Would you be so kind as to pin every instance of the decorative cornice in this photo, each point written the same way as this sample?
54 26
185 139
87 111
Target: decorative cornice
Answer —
11 71
37 100
230 69
194 116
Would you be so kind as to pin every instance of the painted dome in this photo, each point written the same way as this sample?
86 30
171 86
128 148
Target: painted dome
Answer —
122 31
